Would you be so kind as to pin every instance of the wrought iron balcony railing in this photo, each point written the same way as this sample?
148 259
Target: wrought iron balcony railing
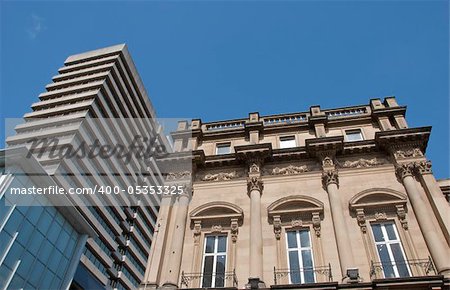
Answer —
302 275
209 280
401 269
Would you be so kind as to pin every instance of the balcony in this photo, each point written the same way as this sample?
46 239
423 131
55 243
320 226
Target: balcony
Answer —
305 275
209 280
402 269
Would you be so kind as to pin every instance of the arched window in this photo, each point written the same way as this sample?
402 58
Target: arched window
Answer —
215 228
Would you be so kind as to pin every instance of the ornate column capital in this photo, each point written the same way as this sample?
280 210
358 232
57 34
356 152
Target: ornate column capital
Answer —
330 176
404 170
423 167
277 226
254 183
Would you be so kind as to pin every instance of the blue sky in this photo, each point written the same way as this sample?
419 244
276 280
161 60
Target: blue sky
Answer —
221 60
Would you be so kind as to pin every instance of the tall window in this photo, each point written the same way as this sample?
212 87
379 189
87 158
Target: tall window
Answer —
354 135
287 142
214 261
223 148
390 250
300 257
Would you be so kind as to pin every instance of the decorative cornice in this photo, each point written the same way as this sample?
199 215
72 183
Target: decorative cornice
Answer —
254 183
316 146
330 177
401 139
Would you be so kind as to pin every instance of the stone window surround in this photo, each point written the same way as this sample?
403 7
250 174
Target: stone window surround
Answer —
296 218
226 220
391 209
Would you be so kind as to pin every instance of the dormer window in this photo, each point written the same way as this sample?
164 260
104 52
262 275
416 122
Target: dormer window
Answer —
287 142
353 135
224 148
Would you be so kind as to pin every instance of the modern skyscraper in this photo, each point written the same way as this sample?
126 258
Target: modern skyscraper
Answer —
98 96
341 198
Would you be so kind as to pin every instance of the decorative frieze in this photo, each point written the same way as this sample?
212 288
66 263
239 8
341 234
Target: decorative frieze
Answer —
254 183
221 176
290 170
407 153
363 163
179 175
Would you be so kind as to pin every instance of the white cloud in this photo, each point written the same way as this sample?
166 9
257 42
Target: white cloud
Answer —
37 26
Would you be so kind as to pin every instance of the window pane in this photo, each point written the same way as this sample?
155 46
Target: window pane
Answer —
207 271
220 271
209 248
385 261
307 266
287 142
222 244
304 239
399 260
354 135
377 233
223 149
390 231
292 239
294 267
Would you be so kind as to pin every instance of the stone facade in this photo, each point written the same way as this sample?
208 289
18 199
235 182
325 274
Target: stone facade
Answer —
333 176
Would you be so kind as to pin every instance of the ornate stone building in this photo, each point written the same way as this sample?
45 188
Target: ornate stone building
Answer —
326 199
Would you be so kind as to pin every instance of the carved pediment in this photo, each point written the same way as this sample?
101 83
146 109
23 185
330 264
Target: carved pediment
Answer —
295 204
377 197
217 210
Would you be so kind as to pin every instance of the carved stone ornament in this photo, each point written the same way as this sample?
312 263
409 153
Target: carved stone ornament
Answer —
380 216
178 175
362 163
404 170
361 218
277 226
401 213
216 229
316 223
424 167
327 161
234 230
254 168
221 176
297 223
254 183
408 153
197 231
330 176
290 170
